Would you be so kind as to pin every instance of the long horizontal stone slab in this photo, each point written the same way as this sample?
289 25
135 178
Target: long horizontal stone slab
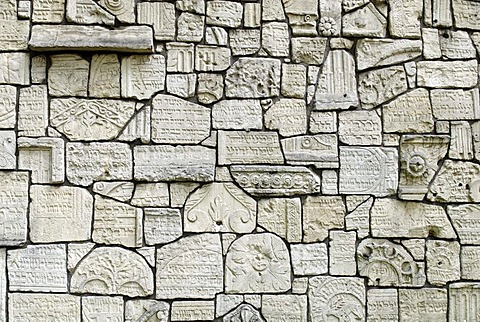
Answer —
137 39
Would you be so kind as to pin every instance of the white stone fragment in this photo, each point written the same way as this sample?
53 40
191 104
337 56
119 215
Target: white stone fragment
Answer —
443 261
139 127
41 306
319 150
342 253
118 190
444 74
212 58
359 218
470 262
160 15
217 36
124 10
384 52
195 6
180 57
48 11
98 308
360 128
179 191
3 284
237 115
320 214
88 12
405 18
8 102
431 43
429 304
288 116
308 50
190 268
275 39
330 23
162 225
220 207
14 34
258 263
294 78
466 220
309 259
364 22
302 16
226 303
76 252
300 285
210 88
142 75
465 14
68 75
382 305
284 307
456 45
461 144
113 270
38 268
8 144
98 161
15 68
190 27
193 311
151 195
224 13
146 310
281 216
455 104
323 122
104 79
461 296
182 85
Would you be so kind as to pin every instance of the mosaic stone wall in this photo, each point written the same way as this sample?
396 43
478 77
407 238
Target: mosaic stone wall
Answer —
239 161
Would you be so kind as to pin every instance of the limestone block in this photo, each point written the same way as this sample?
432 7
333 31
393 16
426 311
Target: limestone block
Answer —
423 305
179 191
272 10
212 58
113 270
252 14
191 267
405 18
456 45
281 216
360 128
8 102
294 78
416 247
387 264
359 218
323 122
302 16
40 306
143 75
226 303
8 9
368 170
380 85
118 190
193 311
182 85
309 259
195 6
15 68
242 83
210 88
465 14
68 75
8 159
244 311
98 161
466 220
217 36
258 263
76 252
364 22
395 218
443 261
38 70
288 307
320 214
276 180
124 10
237 115
153 311
308 50
220 207
275 39
224 13
244 41
330 23
288 116
180 57
90 119
139 127
300 285
461 143
14 34
95 308
329 182
444 74
342 253
88 12
104 80
431 43
160 15
117 223
384 52
3 284
91 38
151 195
382 305
461 296
455 104
14 206
38 268
33 111
48 11
341 297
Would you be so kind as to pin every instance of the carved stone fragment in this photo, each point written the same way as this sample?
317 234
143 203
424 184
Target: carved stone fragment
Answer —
162 225
143 75
210 88
190 268
288 116
160 15
360 128
124 10
113 270
364 22
258 263
443 261
150 195
146 311
323 122
244 313
14 34
444 74
118 190
224 13
212 58
14 68
405 17
466 220
220 207
48 11
8 101
384 52
76 252
190 27
284 307
342 253
40 306
455 104
308 50
182 85
237 115
8 143
309 259
276 180
382 305
320 214
68 75
139 127
465 13
359 218
470 262
275 39
98 308
104 78
193 311
88 12
461 145
302 16
460 297
3 284
428 304
281 216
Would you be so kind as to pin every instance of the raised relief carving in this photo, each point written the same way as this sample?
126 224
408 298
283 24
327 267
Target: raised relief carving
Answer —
191 267
382 305
48 11
470 262
13 207
339 298
443 261
429 304
319 150
90 119
462 296
276 180
465 13
302 16
220 207
461 145
330 23
3 284
251 15
14 68
212 58
455 104
360 128
88 12
294 78
275 39
253 78
143 75
405 18
284 307
384 52
182 85
466 220
342 253
33 111
118 190
237 115
244 41
35 307
419 157
337 85
309 259
288 116
258 263
193 311
162 225
359 218
210 88
323 122
102 308
387 264
320 214
104 80
224 13
139 127
68 75
281 216
445 74
364 22
14 33
8 159
8 102
146 311
76 252
244 313
456 45
180 57
151 195
113 270
160 15
368 170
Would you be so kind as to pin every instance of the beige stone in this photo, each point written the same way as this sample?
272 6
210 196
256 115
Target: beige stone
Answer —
320 214
405 18
308 50
342 253
281 216
142 75
154 311
193 311
237 115
118 190
162 225
244 41
309 259
48 11
364 22
288 307
190 27
180 57
443 261
461 296
224 13
96 308
455 104
288 116
68 75
151 195
182 85
423 305
88 12
76 252
466 220
160 15
382 305
444 74
360 128
8 159
384 52
8 102
34 306
15 68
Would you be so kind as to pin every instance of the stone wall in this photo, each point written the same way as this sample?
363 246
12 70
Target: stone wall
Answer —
275 160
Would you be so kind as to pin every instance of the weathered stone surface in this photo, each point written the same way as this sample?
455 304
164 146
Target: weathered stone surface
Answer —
309 259
380 85
178 121
60 214
364 22
342 253
465 14
169 163
33 111
244 312
382 305
444 74
323 122
320 214
360 128
242 82
193 311
124 10
76 252
387 264
395 218
220 207
405 18
461 144
384 52
443 261
258 263
40 306
98 161
419 157
244 41
217 36
337 85
456 45
162 225
359 218
302 16
195 6
150 195
288 116
337 297
113 270
95 308
466 220
48 11
281 216
455 104
146 310
284 307
91 38
456 181
3 284
190 268
142 75
118 190
329 182
368 170
117 223
423 305
8 159
210 88
276 180
224 13
38 69
294 78
462 296
182 85
8 101
251 15
88 12
68 75
226 303
14 68
212 58
13 206
160 15
38 268
237 115
180 57
275 39
308 50
14 34
399 116
90 119
190 27
139 127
